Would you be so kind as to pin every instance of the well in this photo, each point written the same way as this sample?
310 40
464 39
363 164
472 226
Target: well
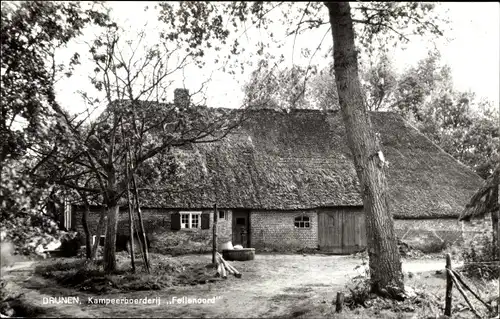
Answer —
239 254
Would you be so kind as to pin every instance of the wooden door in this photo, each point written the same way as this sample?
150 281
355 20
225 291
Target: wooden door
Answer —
330 231
342 230
241 227
353 231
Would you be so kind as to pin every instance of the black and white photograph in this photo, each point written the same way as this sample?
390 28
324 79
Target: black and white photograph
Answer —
238 159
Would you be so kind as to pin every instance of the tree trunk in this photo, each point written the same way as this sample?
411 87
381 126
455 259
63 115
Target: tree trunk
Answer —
496 243
130 216
101 226
214 236
85 224
131 231
385 266
110 244
143 241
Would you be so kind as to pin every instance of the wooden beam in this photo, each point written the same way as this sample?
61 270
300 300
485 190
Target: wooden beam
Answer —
449 287
214 236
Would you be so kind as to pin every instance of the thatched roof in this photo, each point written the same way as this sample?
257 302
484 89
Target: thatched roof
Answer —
300 160
485 200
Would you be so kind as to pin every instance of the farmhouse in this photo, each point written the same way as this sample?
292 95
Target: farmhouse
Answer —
285 181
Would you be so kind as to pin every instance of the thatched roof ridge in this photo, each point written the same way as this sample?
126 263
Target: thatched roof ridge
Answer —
485 200
280 160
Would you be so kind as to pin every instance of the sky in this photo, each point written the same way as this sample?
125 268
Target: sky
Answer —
472 53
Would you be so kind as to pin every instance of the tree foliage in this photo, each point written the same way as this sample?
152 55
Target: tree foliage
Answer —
132 79
424 94
31 32
291 88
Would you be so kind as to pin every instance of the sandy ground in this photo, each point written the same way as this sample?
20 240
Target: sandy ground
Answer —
272 286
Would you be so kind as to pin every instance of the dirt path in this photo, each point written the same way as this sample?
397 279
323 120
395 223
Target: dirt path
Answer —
272 286
17 277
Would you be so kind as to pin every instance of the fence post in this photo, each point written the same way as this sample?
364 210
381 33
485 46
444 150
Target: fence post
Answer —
449 286
214 236
339 302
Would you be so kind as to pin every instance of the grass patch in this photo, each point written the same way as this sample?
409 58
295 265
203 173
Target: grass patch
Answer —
20 307
425 298
90 276
13 304
481 262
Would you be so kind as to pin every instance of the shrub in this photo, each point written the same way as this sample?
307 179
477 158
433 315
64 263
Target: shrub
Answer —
436 247
13 303
6 251
180 243
359 286
70 244
480 261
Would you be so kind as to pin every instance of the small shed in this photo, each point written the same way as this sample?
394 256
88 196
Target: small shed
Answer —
480 214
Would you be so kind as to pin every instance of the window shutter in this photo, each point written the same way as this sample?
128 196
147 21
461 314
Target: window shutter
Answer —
175 222
205 220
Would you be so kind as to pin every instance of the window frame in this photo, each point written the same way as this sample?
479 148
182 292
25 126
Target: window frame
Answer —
190 215
302 222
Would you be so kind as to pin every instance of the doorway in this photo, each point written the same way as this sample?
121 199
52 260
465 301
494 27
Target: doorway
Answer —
241 227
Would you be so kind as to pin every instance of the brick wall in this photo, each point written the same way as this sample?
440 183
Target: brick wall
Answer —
429 234
476 230
157 226
275 230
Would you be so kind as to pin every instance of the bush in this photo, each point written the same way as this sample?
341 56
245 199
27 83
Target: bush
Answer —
359 286
436 247
6 251
13 304
180 243
83 274
407 251
70 244
480 261
82 252
360 289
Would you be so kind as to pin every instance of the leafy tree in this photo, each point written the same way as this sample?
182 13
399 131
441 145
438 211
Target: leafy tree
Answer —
463 125
31 31
379 82
323 89
385 265
465 128
275 88
136 122
291 88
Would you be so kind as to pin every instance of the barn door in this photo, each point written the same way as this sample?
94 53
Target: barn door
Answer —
341 231
330 231
353 231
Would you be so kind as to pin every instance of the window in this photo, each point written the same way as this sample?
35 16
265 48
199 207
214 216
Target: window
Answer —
185 220
302 222
222 214
195 221
190 219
